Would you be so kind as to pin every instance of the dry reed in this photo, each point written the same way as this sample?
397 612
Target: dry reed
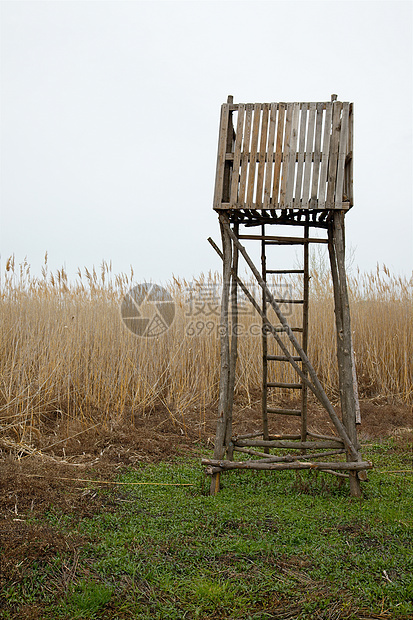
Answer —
66 352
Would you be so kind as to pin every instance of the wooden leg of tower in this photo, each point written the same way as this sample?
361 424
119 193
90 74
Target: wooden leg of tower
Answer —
234 348
225 352
344 345
306 282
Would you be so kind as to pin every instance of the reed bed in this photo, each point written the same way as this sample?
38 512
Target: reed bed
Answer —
66 352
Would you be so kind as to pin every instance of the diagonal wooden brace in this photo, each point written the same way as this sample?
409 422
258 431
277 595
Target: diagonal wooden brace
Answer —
268 325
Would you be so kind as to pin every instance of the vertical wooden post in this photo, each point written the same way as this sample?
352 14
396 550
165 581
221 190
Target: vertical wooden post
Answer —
264 396
225 362
306 283
344 345
234 347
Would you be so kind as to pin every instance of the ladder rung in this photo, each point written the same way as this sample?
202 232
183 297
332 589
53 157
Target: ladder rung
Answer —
292 241
293 386
288 301
282 358
285 411
284 271
293 329
283 240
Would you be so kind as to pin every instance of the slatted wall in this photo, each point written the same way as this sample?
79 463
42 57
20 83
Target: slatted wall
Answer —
285 156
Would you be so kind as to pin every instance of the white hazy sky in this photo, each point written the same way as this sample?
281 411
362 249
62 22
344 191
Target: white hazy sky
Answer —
110 113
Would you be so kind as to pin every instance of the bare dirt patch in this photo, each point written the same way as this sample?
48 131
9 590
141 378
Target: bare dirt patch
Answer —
49 476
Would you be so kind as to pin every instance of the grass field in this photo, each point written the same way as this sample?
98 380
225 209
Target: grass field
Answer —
268 546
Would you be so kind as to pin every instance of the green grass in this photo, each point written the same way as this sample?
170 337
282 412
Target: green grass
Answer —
268 546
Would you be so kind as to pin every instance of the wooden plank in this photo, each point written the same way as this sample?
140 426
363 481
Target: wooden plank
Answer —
285 445
278 154
284 240
280 384
355 466
253 156
290 412
254 215
284 271
270 156
333 157
292 156
342 152
300 158
308 156
262 156
317 156
288 458
228 162
245 155
325 156
234 106
222 145
286 155
237 156
283 358
349 164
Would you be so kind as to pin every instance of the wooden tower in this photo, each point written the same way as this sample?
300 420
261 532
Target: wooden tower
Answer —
285 164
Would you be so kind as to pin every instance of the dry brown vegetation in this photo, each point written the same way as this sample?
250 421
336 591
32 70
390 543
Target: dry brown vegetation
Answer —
68 358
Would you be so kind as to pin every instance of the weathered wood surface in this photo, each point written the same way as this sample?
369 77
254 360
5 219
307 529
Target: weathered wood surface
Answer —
278 154
211 470
222 419
346 371
317 465
287 457
222 148
279 443
284 240
234 347
308 155
304 341
269 160
324 157
264 395
237 154
285 156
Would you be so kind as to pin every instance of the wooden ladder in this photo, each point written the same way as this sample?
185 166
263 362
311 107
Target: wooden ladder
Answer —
302 329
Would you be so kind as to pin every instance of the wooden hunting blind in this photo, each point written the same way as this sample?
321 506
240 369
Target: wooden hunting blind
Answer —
285 164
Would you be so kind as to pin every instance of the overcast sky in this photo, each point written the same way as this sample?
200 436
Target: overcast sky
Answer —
110 114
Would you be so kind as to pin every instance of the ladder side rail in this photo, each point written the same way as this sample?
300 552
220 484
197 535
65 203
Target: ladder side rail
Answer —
233 348
305 313
264 397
